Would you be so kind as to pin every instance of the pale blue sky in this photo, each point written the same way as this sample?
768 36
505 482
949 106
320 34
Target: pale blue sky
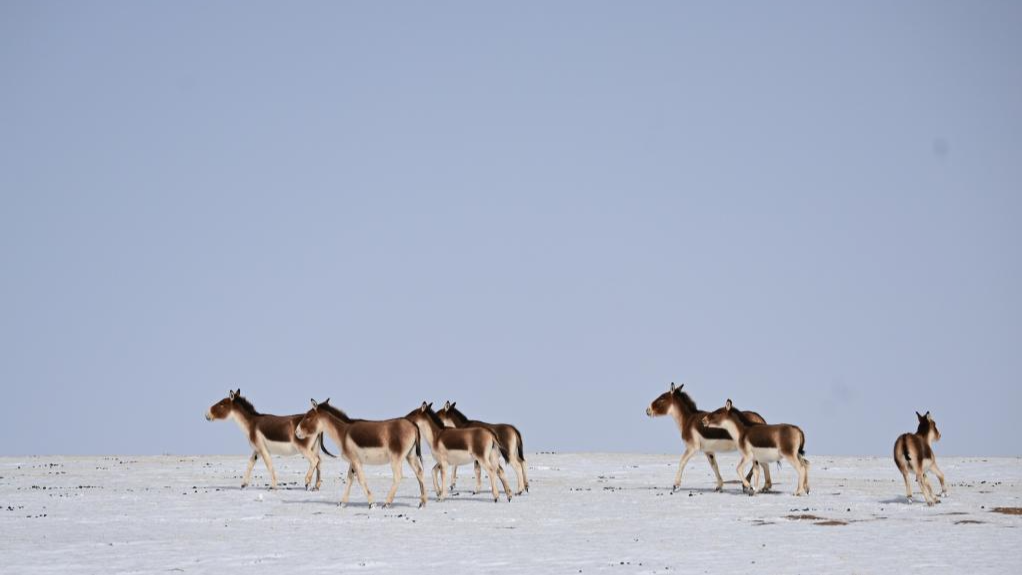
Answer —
545 211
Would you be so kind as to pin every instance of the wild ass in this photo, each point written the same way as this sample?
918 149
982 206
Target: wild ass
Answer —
697 437
915 450
763 444
367 443
457 446
508 435
269 435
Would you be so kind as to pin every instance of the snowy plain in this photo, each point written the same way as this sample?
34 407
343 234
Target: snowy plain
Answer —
586 513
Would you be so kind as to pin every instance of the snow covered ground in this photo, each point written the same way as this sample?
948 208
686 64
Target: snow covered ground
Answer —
587 513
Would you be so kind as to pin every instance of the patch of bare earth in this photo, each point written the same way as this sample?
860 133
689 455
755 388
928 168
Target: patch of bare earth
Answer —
1008 510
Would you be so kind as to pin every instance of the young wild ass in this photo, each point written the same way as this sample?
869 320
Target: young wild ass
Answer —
368 443
457 446
763 444
698 437
508 435
269 435
915 450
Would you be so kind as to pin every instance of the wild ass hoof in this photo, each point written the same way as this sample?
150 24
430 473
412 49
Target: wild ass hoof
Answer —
372 505
509 499
719 488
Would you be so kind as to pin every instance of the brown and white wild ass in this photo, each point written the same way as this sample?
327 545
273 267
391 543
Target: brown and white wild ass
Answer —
915 450
364 443
763 444
698 437
508 435
452 446
269 435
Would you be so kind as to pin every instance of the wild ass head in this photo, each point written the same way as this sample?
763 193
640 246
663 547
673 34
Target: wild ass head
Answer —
450 414
312 423
725 418
927 427
223 408
424 414
665 401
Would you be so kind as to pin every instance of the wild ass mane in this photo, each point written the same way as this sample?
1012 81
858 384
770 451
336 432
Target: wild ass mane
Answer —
685 400
245 405
339 414
458 417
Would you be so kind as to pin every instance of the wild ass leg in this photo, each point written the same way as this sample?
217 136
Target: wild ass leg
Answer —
767 482
479 477
347 487
689 452
929 485
268 461
519 474
903 468
443 480
454 478
756 466
712 458
417 469
310 454
360 474
495 463
396 467
746 487
248 471
803 477
493 478
925 487
940 477
436 479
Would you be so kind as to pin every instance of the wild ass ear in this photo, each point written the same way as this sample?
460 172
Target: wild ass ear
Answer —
423 407
453 404
447 405
326 401
727 405
672 387
230 394
430 406
919 416
314 404
929 417
237 393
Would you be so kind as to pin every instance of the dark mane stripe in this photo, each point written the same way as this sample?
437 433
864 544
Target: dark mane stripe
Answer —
456 416
685 400
245 405
924 428
434 418
335 412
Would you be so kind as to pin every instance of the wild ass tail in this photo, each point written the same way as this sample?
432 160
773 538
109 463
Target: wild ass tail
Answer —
521 448
501 447
322 446
802 449
904 450
418 443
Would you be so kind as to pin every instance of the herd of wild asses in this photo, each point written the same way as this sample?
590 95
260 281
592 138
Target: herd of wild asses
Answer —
456 440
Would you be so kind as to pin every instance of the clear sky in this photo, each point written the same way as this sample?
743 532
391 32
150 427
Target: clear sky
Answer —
546 211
